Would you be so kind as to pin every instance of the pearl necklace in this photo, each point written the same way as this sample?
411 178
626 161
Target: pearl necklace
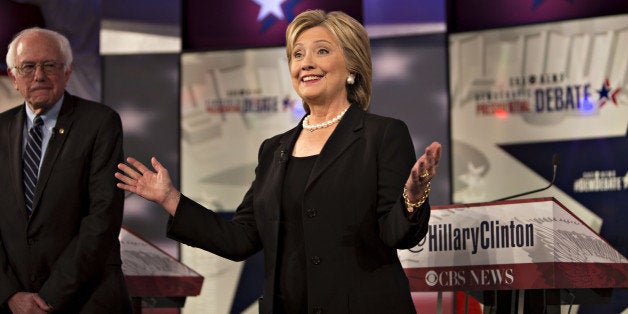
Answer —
311 128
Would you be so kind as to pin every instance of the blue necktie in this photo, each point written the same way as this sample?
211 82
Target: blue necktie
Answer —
32 156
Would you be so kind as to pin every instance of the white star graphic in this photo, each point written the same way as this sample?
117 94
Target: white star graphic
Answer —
268 7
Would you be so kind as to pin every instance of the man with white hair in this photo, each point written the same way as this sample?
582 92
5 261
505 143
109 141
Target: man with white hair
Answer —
60 211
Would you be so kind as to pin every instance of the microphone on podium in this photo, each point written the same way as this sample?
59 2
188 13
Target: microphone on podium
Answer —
555 160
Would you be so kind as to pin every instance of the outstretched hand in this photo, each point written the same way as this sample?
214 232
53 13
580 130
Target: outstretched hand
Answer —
154 186
423 171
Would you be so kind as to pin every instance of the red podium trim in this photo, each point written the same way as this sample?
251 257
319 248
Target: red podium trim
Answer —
518 276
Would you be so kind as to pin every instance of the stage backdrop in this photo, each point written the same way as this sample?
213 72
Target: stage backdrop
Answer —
419 100
230 102
249 23
521 95
147 102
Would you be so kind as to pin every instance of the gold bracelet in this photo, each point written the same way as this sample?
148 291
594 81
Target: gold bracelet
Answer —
409 205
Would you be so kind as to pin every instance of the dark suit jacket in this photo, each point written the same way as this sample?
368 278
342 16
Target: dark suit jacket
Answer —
68 251
354 217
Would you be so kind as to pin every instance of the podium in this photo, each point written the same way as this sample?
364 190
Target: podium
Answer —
154 278
530 248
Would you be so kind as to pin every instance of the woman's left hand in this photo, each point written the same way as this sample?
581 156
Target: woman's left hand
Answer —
422 172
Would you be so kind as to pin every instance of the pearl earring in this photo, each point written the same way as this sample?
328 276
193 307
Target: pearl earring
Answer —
351 79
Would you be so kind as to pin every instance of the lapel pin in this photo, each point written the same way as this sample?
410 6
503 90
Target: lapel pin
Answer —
61 131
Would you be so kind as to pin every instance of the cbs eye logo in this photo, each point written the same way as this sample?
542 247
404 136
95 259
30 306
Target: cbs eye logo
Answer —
431 278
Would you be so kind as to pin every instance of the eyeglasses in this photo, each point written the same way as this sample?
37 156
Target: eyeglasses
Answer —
49 67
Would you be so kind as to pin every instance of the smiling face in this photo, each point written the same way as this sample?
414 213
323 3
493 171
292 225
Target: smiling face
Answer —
318 68
40 90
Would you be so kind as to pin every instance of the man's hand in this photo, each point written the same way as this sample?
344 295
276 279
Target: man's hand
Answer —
28 303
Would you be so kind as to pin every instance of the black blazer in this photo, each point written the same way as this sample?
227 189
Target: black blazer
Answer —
354 217
68 251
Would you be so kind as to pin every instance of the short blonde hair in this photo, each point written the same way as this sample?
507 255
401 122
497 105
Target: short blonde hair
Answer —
354 42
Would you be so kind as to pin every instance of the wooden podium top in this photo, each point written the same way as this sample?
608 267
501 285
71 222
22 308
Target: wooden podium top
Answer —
150 271
506 245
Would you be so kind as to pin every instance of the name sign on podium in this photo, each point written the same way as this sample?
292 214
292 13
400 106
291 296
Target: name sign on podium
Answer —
511 245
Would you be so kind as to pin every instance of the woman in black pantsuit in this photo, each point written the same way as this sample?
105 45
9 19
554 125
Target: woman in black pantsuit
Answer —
328 204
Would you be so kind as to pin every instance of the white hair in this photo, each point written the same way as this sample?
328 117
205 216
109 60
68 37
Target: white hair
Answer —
62 42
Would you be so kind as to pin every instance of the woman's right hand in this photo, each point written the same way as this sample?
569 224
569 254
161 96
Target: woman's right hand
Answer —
153 186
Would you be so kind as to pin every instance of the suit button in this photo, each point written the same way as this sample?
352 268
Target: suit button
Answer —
33 278
311 212
315 260
30 241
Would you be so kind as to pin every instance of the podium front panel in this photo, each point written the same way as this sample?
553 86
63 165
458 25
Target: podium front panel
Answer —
521 244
